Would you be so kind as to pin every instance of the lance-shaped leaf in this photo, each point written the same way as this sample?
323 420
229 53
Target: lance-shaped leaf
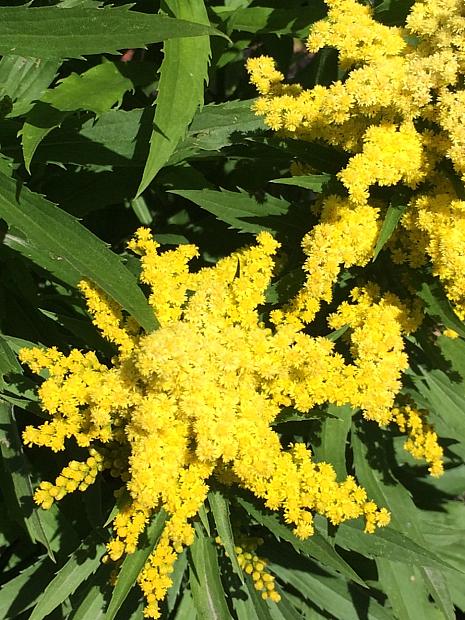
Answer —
387 491
220 508
395 211
53 32
57 242
81 564
183 72
205 581
17 469
239 210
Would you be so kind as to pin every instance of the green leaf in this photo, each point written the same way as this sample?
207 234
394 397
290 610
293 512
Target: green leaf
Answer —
24 80
177 578
186 608
315 182
55 241
239 210
205 581
437 305
91 605
184 70
446 399
408 603
81 564
393 215
53 32
18 469
314 547
217 126
133 564
385 543
279 21
141 210
8 361
220 508
21 593
331 594
97 90
386 490
333 435
120 137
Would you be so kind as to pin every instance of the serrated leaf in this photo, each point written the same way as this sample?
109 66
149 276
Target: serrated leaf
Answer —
120 137
81 564
207 589
315 182
53 32
220 509
133 564
18 470
24 80
393 215
315 547
218 125
184 70
56 241
239 210
98 89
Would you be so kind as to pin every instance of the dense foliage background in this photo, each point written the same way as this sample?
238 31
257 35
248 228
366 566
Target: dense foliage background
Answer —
122 116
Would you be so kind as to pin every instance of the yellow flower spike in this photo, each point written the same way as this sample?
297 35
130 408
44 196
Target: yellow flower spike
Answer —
156 418
400 83
76 475
422 441
107 316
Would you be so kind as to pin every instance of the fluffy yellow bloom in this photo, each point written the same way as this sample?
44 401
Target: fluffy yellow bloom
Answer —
157 417
437 220
398 114
351 28
422 441
345 236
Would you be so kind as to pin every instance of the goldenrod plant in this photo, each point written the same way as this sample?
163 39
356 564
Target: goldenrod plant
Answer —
232 358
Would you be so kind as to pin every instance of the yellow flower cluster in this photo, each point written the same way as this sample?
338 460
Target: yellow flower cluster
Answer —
345 236
435 222
422 441
255 566
197 398
74 476
399 113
